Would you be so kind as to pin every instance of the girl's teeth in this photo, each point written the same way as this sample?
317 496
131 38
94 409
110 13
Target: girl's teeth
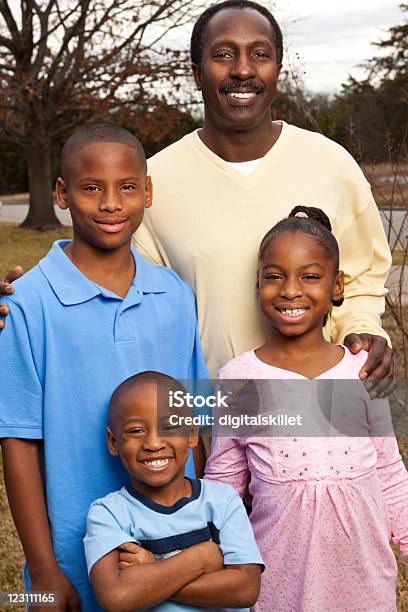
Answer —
157 462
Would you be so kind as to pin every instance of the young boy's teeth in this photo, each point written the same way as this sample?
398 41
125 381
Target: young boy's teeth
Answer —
293 312
246 95
157 462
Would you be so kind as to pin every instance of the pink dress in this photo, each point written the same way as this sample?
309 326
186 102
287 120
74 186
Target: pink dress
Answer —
324 509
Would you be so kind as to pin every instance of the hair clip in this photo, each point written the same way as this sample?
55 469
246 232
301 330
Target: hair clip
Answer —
300 213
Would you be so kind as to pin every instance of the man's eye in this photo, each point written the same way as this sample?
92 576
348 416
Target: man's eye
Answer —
311 277
128 187
223 55
91 188
136 431
261 54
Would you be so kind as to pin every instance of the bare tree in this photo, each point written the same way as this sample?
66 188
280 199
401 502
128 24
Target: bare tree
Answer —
63 63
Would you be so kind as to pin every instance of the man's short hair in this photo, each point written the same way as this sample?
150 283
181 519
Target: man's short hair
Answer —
98 132
199 30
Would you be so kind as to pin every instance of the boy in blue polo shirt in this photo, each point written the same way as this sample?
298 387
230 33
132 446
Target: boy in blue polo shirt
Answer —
92 313
197 546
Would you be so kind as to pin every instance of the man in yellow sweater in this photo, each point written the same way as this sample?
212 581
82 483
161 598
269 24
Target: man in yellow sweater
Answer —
219 189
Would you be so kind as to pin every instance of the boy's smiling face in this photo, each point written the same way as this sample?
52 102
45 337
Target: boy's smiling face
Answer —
152 452
106 190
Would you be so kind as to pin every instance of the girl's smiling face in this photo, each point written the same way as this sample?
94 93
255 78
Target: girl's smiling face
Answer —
297 281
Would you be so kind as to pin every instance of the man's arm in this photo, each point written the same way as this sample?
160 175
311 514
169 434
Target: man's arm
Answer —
142 585
25 492
365 258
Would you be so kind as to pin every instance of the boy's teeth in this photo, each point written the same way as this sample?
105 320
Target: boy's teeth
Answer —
236 94
157 462
293 312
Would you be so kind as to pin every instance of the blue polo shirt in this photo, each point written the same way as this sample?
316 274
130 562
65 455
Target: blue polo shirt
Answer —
67 345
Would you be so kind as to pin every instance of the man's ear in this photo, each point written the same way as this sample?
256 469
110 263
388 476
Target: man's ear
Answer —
197 75
111 442
61 193
148 192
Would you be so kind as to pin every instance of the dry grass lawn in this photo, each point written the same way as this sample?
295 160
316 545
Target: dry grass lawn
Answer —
25 247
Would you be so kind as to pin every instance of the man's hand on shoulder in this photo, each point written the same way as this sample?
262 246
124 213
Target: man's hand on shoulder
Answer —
378 371
6 288
56 582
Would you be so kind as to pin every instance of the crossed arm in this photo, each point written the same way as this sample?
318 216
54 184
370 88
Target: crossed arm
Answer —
195 576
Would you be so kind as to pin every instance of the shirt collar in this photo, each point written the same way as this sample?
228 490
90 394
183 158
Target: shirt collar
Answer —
73 287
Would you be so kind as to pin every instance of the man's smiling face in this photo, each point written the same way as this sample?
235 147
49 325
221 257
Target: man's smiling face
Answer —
239 71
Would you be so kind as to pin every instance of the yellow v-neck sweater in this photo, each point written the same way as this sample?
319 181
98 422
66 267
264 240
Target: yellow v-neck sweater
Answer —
207 221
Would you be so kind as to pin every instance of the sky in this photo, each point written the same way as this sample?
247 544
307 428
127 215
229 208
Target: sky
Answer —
331 37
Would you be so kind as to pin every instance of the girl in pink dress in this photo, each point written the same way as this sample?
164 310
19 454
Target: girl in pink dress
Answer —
324 508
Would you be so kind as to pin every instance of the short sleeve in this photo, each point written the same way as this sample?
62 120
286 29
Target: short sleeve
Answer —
237 540
103 534
21 397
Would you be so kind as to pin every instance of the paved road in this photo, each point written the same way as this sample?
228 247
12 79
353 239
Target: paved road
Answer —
17 211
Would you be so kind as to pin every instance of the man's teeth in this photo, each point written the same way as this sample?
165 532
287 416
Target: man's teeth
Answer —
293 312
246 95
157 462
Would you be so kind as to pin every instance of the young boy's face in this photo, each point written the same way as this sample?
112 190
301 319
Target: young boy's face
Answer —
152 451
106 190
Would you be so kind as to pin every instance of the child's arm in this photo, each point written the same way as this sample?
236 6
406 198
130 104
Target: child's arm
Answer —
235 586
238 584
391 471
393 477
25 491
228 463
142 585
